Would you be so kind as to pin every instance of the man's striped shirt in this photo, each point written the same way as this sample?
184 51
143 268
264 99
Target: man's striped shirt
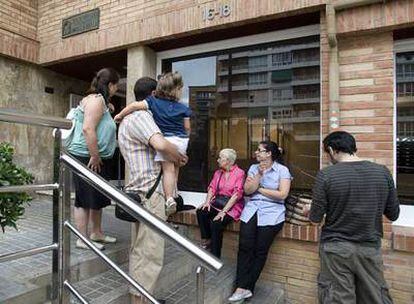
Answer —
354 196
134 135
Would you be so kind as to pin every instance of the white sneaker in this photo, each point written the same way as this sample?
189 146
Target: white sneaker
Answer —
82 245
240 295
170 206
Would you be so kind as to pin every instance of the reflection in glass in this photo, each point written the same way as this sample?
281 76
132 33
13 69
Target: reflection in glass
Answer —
241 97
405 127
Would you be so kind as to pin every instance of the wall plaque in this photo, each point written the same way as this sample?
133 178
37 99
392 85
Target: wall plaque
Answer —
80 23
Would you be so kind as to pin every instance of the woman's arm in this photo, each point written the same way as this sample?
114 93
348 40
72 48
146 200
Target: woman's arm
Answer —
220 216
252 183
211 192
233 199
281 193
206 204
132 107
210 195
93 112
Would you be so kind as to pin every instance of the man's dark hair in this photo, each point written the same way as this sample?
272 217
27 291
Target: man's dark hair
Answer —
144 87
340 141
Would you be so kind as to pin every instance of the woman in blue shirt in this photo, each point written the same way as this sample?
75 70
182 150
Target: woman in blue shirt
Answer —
267 184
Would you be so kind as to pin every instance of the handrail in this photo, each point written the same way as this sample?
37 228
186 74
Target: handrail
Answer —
27 188
75 292
27 252
141 214
15 116
88 243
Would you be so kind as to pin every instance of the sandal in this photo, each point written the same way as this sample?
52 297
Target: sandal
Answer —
103 239
82 245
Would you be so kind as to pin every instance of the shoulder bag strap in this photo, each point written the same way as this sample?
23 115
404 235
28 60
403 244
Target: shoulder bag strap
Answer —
218 184
151 191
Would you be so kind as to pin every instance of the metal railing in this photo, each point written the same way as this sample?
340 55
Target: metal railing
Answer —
63 165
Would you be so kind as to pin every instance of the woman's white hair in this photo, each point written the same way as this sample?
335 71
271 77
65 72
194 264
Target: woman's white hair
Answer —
230 154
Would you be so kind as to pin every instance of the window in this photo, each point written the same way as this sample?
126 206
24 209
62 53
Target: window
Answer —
235 105
282 94
405 126
305 55
257 62
257 78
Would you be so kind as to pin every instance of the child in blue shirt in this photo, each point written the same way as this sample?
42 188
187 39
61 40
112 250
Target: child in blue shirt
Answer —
173 119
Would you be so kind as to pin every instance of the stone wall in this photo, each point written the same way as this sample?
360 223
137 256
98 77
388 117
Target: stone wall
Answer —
22 87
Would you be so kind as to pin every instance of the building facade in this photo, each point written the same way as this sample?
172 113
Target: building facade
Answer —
289 71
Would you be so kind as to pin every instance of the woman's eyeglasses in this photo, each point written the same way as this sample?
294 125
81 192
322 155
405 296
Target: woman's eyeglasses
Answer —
261 150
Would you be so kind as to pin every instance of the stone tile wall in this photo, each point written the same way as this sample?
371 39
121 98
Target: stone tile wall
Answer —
22 87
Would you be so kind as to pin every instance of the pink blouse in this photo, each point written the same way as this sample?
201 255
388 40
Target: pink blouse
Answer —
234 184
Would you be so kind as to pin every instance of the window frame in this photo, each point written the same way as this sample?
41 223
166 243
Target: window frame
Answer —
197 198
406 218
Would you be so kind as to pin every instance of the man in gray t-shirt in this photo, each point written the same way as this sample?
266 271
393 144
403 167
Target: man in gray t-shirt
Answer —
353 195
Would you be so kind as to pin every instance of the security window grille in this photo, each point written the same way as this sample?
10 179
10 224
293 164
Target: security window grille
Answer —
281 59
405 89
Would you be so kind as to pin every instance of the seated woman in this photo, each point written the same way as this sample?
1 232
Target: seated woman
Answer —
224 202
268 184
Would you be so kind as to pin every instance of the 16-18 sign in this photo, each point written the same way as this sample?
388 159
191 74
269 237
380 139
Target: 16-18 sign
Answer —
211 13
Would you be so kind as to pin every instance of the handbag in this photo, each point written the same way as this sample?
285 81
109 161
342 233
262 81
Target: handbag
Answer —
67 135
124 215
220 200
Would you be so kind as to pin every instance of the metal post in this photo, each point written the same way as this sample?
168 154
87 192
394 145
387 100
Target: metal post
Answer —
64 244
55 231
200 285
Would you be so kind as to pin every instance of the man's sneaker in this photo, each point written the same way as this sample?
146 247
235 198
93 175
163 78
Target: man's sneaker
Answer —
240 295
170 206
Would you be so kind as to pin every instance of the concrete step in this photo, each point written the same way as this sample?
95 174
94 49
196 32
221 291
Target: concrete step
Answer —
110 288
177 285
218 288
